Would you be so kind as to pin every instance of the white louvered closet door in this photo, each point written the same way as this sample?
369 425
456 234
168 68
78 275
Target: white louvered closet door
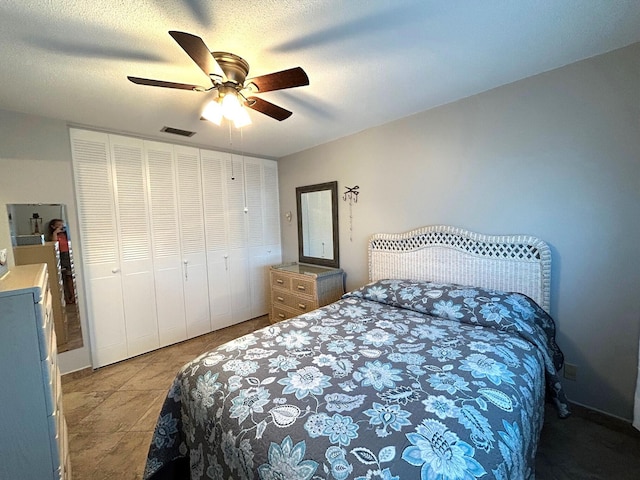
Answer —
263 229
271 253
237 238
213 180
165 235
194 258
98 238
136 264
271 205
255 202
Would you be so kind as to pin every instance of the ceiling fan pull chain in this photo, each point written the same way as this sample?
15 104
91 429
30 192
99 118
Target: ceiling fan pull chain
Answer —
244 172
233 177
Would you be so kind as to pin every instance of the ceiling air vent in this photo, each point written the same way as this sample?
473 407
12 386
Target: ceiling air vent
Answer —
177 131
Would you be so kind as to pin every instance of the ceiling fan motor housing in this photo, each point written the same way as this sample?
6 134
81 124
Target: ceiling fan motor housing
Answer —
234 67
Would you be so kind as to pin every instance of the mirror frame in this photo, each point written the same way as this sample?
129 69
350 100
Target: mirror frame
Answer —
76 340
326 262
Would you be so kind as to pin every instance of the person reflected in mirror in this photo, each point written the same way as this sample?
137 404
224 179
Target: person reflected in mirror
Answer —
57 233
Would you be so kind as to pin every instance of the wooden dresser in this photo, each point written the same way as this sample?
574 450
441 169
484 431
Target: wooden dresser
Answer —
34 441
298 288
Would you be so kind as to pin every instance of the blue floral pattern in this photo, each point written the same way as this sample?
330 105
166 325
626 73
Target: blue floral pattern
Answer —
399 379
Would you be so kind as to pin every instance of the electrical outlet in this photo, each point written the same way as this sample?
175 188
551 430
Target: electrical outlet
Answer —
570 371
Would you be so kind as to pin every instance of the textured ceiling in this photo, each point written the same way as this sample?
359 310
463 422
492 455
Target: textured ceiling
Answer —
369 61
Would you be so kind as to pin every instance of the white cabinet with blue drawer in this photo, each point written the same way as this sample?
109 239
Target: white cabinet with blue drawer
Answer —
34 440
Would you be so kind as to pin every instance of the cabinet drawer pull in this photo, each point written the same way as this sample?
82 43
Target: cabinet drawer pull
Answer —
281 315
302 306
302 287
280 299
279 281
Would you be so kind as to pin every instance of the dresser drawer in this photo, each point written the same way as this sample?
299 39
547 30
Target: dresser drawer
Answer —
298 289
305 287
51 380
55 431
45 330
66 465
280 280
51 374
278 314
297 302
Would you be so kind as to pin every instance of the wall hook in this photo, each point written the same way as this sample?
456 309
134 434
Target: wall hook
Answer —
351 194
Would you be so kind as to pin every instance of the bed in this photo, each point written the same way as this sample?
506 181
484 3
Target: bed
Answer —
437 369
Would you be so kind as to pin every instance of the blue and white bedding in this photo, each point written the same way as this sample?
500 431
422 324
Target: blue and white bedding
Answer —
398 380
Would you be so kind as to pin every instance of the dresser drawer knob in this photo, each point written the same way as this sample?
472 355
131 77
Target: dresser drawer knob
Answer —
279 281
281 315
280 299
302 306
302 287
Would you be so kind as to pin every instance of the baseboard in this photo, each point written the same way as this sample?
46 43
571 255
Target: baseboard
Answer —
76 374
605 419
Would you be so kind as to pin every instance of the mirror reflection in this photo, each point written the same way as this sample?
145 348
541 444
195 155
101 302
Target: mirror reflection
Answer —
318 224
39 234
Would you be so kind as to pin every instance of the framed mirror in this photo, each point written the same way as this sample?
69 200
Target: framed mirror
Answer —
33 242
318 224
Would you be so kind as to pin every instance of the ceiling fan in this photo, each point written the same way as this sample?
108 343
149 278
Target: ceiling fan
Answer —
227 73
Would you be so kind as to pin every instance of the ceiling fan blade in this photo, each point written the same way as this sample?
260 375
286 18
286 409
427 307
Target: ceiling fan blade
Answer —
294 77
199 53
162 83
268 108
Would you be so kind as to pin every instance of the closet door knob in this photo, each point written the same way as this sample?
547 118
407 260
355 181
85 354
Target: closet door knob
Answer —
115 270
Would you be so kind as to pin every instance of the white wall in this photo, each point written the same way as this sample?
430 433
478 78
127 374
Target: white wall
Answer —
35 167
557 156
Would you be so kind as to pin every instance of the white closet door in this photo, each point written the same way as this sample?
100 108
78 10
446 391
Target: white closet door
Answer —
167 260
213 180
235 197
237 237
98 238
255 202
138 289
271 213
263 228
271 244
255 234
192 238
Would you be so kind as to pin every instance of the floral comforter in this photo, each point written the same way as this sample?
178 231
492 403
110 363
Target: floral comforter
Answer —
398 380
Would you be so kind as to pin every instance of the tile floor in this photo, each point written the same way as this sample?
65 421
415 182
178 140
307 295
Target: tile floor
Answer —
111 414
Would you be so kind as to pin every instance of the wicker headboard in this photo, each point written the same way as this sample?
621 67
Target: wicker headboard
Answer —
438 253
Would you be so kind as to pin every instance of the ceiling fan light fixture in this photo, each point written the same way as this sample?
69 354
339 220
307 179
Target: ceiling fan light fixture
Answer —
213 112
230 106
242 118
